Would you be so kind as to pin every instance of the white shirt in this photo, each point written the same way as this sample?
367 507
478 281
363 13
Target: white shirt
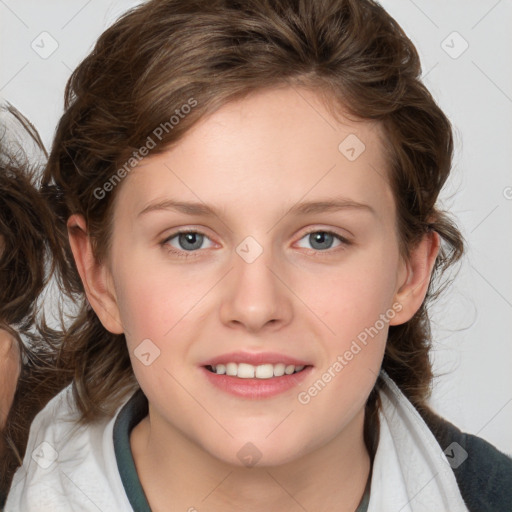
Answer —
69 468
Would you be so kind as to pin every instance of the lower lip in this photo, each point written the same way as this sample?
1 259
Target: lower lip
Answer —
256 388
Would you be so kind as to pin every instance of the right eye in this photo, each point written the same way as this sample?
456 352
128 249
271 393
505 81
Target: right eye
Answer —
184 241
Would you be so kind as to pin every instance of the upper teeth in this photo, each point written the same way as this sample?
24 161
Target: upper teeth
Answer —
262 371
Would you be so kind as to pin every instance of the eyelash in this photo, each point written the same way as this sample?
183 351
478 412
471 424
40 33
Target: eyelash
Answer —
188 254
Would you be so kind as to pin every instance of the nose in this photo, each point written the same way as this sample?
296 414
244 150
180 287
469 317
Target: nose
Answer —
256 296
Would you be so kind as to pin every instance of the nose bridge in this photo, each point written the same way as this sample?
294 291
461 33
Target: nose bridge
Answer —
256 295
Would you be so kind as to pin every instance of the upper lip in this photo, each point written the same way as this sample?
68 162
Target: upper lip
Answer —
255 359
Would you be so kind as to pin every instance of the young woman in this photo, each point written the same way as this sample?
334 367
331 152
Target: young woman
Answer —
245 194
27 242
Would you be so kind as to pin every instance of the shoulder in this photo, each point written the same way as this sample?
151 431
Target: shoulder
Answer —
483 473
65 462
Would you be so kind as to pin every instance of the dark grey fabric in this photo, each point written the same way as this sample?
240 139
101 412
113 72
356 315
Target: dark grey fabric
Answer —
485 476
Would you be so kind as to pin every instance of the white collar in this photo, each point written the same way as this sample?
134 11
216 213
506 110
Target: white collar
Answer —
410 471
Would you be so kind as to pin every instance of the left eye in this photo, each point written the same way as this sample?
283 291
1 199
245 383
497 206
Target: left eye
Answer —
322 240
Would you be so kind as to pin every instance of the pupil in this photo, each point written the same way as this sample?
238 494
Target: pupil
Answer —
321 238
190 238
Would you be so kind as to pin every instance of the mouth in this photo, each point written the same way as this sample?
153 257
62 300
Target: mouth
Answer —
255 376
249 371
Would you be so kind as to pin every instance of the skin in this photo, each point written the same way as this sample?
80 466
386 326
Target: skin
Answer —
9 369
9 373
253 160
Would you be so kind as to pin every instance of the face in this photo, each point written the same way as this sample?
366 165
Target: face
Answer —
289 262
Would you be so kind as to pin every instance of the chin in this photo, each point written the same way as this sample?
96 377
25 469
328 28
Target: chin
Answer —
258 451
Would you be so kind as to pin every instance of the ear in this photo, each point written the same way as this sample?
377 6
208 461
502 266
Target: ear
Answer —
415 277
96 277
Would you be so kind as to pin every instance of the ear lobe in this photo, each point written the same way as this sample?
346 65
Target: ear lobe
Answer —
95 276
414 286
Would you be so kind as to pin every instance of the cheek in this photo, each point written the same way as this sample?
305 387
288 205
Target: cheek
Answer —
356 310
159 308
355 304
153 298
150 307
352 297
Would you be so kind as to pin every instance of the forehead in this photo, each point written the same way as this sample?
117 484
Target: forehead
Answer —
273 147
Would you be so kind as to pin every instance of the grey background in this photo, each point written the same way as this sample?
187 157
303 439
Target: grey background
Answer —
472 322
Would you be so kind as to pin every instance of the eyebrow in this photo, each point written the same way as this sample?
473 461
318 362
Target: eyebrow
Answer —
305 208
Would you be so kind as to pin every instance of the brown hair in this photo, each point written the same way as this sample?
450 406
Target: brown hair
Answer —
27 242
22 229
165 54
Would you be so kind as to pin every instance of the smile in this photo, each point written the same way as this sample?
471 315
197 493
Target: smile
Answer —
249 371
259 382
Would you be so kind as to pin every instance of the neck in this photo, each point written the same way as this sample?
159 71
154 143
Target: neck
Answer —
174 470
